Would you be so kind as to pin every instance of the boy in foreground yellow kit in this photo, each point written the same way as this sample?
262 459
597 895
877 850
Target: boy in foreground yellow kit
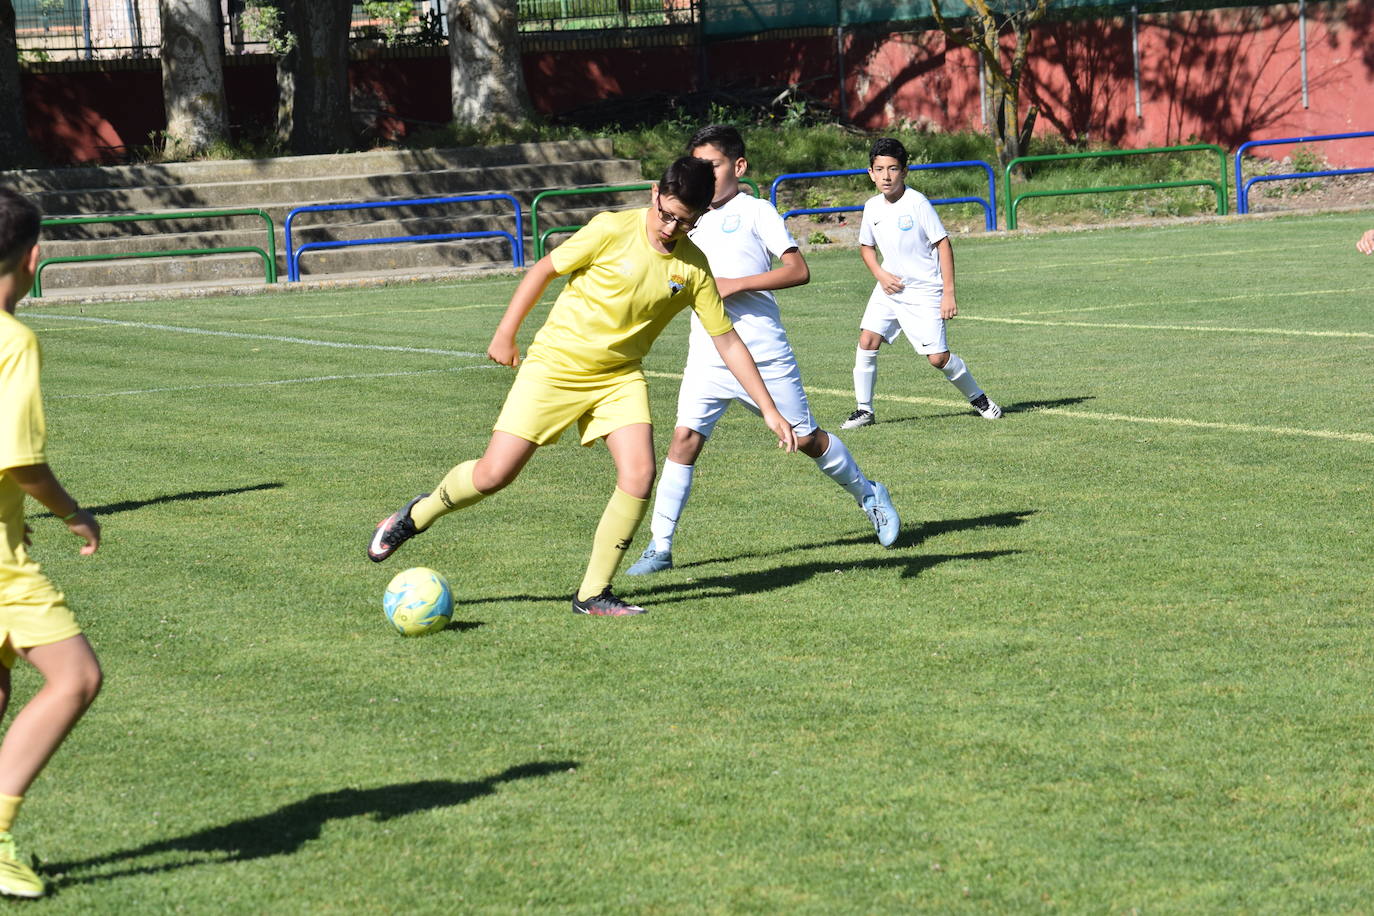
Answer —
35 622
629 274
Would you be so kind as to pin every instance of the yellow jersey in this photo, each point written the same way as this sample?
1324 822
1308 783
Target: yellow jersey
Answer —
23 437
621 293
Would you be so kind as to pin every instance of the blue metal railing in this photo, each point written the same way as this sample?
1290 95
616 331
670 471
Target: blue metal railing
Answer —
989 203
517 239
1243 190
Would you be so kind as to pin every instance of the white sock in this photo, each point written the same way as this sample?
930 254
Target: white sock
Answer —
674 486
956 370
865 377
839 465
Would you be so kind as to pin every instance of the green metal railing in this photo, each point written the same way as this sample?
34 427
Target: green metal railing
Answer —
540 239
1218 186
269 254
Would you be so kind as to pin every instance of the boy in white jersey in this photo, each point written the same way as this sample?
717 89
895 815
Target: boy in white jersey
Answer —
740 235
628 274
915 290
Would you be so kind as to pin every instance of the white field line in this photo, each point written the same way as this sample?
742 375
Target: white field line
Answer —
239 335
1284 294
308 316
1247 428
1171 257
1204 329
280 381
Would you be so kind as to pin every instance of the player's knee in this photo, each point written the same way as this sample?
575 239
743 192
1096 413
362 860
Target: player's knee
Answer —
82 683
686 445
869 340
813 444
938 360
489 480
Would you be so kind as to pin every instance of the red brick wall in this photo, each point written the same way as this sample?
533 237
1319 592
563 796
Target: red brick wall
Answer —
1222 76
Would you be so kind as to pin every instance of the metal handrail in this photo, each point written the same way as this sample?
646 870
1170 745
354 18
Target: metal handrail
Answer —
1243 190
293 267
1218 186
989 204
269 255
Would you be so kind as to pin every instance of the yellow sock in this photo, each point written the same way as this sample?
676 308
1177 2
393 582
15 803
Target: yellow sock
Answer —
613 537
9 809
454 492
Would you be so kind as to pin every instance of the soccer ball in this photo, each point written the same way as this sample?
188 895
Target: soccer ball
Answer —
418 601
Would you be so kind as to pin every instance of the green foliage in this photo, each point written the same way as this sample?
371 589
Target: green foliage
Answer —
1118 659
261 21
396 23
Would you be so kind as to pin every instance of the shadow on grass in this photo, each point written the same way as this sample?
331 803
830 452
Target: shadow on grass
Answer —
1017 407
785 576
286 830
189 496
767 580
1031 406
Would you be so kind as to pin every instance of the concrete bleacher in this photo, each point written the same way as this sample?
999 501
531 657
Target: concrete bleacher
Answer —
277 186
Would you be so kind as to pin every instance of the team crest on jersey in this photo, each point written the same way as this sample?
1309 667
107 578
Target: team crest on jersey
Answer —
731 223
905 223
675 284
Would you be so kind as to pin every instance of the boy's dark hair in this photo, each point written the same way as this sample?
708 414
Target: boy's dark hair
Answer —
691 181
887 146
20 220
723 137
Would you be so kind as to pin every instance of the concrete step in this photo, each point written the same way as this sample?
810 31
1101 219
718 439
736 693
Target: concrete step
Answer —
278 186
33 181
113 238
145 273
287 193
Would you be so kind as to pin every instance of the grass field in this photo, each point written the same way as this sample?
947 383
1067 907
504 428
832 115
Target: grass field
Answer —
1119 660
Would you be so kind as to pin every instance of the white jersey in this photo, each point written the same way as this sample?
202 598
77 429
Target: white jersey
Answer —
740 239
906 233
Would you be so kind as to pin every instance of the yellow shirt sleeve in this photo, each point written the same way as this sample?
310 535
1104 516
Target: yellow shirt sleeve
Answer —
23 434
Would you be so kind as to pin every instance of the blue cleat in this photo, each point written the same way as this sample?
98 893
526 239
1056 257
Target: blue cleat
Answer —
883 515
651 561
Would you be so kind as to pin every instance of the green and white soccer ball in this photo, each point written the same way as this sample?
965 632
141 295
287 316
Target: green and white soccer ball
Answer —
418 601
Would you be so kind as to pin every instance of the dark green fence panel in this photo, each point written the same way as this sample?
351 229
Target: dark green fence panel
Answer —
1218 186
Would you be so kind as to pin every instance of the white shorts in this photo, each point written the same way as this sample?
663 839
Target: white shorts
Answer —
706 392
923 325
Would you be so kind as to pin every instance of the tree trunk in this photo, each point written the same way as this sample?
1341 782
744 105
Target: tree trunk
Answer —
484 50
314 113
15 149
192 76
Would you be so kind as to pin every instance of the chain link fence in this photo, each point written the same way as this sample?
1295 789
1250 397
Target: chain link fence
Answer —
104 29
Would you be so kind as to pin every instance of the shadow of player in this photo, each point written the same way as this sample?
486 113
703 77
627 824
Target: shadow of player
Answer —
286 830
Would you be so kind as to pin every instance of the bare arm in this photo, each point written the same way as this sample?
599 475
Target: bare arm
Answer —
741 364
1366 242
38 481
527 293
792 272
948 307
890 282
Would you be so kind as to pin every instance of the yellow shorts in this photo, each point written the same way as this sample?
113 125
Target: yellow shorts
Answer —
36 616
543 402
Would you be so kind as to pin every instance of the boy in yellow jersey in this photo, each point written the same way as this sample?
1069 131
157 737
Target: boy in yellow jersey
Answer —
35 623
629 274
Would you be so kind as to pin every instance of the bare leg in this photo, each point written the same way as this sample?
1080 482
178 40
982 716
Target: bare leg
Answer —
72 677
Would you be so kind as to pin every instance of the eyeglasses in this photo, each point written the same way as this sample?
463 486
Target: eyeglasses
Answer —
686 222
